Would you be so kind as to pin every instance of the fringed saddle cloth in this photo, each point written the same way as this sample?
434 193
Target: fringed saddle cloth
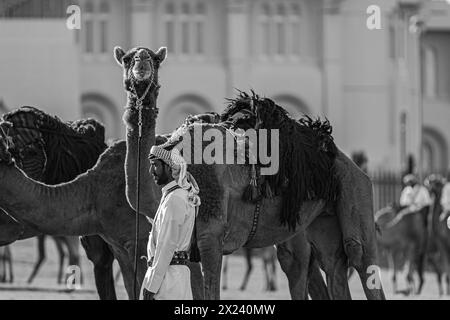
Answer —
50 150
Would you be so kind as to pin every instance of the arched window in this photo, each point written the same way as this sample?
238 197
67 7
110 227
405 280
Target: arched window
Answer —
179 108
295 106
430 72
434 151
99 107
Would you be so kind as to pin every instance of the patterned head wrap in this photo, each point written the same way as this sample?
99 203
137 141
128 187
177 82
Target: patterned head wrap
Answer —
178 165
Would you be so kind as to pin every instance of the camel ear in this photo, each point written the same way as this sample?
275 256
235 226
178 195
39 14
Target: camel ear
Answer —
161 54
119 54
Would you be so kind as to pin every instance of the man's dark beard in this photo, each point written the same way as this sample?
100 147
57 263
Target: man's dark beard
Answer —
164 178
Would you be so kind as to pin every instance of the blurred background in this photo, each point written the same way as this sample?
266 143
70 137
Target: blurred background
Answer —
385 91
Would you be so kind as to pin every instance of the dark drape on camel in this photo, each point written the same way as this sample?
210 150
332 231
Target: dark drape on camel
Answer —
50 150
307 152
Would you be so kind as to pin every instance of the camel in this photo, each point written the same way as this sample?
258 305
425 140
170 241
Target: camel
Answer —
228 219
80 207
403 240
268 257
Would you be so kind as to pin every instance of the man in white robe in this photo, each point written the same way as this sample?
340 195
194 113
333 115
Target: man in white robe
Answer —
414 196
168 276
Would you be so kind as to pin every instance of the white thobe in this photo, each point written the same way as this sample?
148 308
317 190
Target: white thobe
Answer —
171 231
415 198
445 197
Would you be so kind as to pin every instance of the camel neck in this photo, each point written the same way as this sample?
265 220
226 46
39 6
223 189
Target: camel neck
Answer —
56 210
150 193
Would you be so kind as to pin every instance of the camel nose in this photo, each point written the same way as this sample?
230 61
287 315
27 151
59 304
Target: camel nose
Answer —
142 55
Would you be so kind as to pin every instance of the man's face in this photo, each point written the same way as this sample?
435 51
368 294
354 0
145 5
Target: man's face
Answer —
161 172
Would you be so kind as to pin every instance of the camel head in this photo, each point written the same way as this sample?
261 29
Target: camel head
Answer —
140 70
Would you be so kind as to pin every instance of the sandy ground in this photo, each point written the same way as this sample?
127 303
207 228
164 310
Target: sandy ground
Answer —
45 285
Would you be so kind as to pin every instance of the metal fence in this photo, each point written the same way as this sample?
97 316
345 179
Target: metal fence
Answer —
387 186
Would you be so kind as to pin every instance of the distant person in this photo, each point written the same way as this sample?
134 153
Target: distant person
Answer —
360 159
414 196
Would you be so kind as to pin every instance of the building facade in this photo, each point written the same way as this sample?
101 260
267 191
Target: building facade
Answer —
311 56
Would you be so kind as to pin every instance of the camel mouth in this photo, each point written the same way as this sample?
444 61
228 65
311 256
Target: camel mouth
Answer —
142 75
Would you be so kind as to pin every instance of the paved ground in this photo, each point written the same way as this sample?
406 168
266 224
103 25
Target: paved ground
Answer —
45 286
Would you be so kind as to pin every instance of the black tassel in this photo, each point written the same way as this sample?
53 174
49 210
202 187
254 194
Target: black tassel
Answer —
252 192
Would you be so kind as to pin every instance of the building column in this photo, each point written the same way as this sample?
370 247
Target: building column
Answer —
332 67
143 27
238 46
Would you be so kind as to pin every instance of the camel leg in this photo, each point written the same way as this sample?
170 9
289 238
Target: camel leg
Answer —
100 254
126 262
10 264
210 235
127 269
272 261
410 278
117 276
196 281
266 266
2 264
224 273
41 257
269 268
248 259
294 257
356 217
393 266
317 287
435 263
73 248
447 270
61 255
325 236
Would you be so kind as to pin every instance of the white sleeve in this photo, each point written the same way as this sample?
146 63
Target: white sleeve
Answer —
445 198
423 198
406 196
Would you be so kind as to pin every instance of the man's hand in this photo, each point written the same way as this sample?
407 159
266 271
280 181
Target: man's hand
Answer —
148 295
